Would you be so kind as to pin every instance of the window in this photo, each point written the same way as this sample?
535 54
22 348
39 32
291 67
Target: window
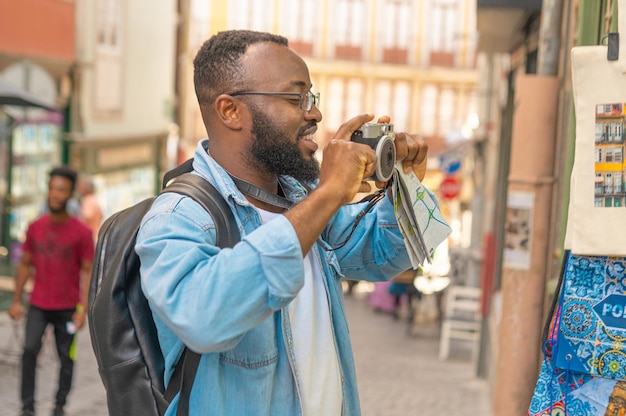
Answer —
443 28
617 182
350 29
428 110
108 61
251 14
447 100
617 154
334 102
396 30
198 23
299 24
355 97
609 155
599 132
598 155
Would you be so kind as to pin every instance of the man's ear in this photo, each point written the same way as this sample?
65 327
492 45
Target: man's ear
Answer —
229 111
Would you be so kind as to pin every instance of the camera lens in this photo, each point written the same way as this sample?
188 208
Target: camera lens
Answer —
386 153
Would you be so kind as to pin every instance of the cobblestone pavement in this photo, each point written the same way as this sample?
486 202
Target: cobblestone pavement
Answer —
398 372
398 369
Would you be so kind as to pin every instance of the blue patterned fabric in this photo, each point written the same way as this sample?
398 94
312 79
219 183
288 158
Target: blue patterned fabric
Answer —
592 327
559 393
585 355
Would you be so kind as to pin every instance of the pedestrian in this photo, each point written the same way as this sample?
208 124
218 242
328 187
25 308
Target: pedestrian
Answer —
267 314
58 250
402 285
90 209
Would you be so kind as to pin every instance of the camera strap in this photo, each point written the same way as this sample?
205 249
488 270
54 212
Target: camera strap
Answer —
261 194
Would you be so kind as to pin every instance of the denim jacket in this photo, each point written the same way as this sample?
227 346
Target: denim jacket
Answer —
230 304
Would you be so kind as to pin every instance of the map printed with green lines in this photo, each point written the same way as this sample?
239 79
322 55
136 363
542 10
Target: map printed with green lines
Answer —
417 211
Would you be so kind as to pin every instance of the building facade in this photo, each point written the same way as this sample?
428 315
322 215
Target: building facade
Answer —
108 66
412 59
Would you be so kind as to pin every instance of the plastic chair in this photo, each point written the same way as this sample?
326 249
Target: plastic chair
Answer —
461 318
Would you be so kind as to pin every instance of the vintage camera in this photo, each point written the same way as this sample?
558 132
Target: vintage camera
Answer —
379 136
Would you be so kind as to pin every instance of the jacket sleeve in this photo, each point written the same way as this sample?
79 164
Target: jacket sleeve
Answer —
376 250
210 297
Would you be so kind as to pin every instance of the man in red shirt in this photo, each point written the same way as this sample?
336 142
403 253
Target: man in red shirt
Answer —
58 251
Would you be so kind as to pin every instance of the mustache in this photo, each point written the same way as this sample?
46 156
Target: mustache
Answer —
311 125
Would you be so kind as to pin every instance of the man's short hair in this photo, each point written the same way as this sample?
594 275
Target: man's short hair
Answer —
65 172
217 68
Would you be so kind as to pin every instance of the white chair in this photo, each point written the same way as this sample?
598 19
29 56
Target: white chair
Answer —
461 318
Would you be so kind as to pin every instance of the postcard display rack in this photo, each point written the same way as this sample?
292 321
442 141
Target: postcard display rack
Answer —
584 367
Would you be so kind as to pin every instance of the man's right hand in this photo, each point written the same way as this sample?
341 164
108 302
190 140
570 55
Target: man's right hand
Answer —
345 163
16 310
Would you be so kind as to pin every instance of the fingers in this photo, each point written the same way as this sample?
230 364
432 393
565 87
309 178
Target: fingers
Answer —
417 157
346 129
15 311
413 152
344 166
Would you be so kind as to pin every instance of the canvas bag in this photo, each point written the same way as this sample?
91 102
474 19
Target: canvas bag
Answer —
599 89
584 362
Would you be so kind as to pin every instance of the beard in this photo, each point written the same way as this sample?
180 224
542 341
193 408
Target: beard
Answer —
277 153
57 209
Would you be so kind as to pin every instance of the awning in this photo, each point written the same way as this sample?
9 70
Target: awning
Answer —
12 95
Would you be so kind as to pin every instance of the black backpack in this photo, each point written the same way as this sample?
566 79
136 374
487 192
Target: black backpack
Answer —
122 330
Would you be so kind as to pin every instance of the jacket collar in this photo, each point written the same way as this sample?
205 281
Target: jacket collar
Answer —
208 168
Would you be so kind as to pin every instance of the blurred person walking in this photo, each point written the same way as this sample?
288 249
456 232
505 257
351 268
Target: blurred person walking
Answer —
58 252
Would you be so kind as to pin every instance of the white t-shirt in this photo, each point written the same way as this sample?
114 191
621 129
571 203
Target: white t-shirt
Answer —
316 358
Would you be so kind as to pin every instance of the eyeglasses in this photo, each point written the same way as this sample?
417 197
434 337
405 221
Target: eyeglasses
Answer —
307 100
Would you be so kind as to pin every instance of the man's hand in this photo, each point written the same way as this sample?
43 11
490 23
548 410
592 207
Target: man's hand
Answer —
16 310
79 318
413 152
411 149
345 163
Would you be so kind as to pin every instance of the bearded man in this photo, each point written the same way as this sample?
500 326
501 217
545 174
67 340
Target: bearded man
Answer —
267 314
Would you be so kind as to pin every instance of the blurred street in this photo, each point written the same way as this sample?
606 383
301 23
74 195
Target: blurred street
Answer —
397 368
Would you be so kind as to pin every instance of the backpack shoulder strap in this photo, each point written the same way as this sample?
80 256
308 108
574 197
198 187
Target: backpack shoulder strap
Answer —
204 193
227 235
185 167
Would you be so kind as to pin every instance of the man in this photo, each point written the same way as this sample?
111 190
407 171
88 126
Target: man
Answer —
267 315
59 251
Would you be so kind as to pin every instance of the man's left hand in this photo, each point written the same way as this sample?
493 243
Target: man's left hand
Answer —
411 149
